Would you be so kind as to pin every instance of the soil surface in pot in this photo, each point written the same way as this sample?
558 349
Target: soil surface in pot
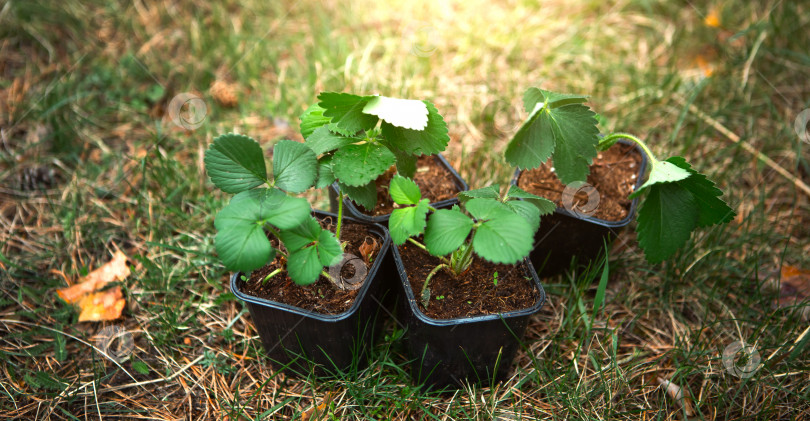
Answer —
322 296
435 182
474 293
613 174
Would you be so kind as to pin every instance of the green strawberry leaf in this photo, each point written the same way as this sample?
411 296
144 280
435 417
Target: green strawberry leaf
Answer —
665 221
311 248
489 192
302 235
558 126
484 209
294 166
534 96
272 206
303 266
406 113
527 211
713 210
406 163
325 174
330 252
446 231
312 119
662 172
235 163
506 238
357 165
404 191
408 222
365 196
240 241
432 140
322 141
346 111
544 205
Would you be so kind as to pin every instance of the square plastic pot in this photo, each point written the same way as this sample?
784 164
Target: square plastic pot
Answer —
305 341
565 235
356 212
450 352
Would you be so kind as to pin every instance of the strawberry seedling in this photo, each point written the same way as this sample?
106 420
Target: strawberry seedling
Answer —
678 198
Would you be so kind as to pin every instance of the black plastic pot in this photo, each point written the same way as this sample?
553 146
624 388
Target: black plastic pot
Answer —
565 235
304 341
355 212
450 352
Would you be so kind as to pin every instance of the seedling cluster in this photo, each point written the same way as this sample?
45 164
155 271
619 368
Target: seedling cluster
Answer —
499 229
349 139
353 140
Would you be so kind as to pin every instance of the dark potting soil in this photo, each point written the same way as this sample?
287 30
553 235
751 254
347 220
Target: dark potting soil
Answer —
435 182
322 296
472 294
613 174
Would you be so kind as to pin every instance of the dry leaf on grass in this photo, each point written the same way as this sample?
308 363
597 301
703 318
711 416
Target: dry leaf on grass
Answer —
675 392
114 270
712 19
225 93
103 305
794 288
318 410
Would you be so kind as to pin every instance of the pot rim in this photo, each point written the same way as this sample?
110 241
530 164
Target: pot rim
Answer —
375 229
642 169
409 295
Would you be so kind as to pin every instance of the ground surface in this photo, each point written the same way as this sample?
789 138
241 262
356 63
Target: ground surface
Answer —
91 158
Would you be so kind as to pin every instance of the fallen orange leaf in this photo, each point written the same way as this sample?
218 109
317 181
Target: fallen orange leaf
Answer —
114 270
712 20
795 286
102 306
704 65
95 305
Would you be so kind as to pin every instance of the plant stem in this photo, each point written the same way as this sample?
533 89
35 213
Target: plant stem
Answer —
611 139
326 275
340 216
425 292
272 274
466 259
278 236
417 244
422 246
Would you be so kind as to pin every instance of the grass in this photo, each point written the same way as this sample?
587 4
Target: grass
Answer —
89 161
